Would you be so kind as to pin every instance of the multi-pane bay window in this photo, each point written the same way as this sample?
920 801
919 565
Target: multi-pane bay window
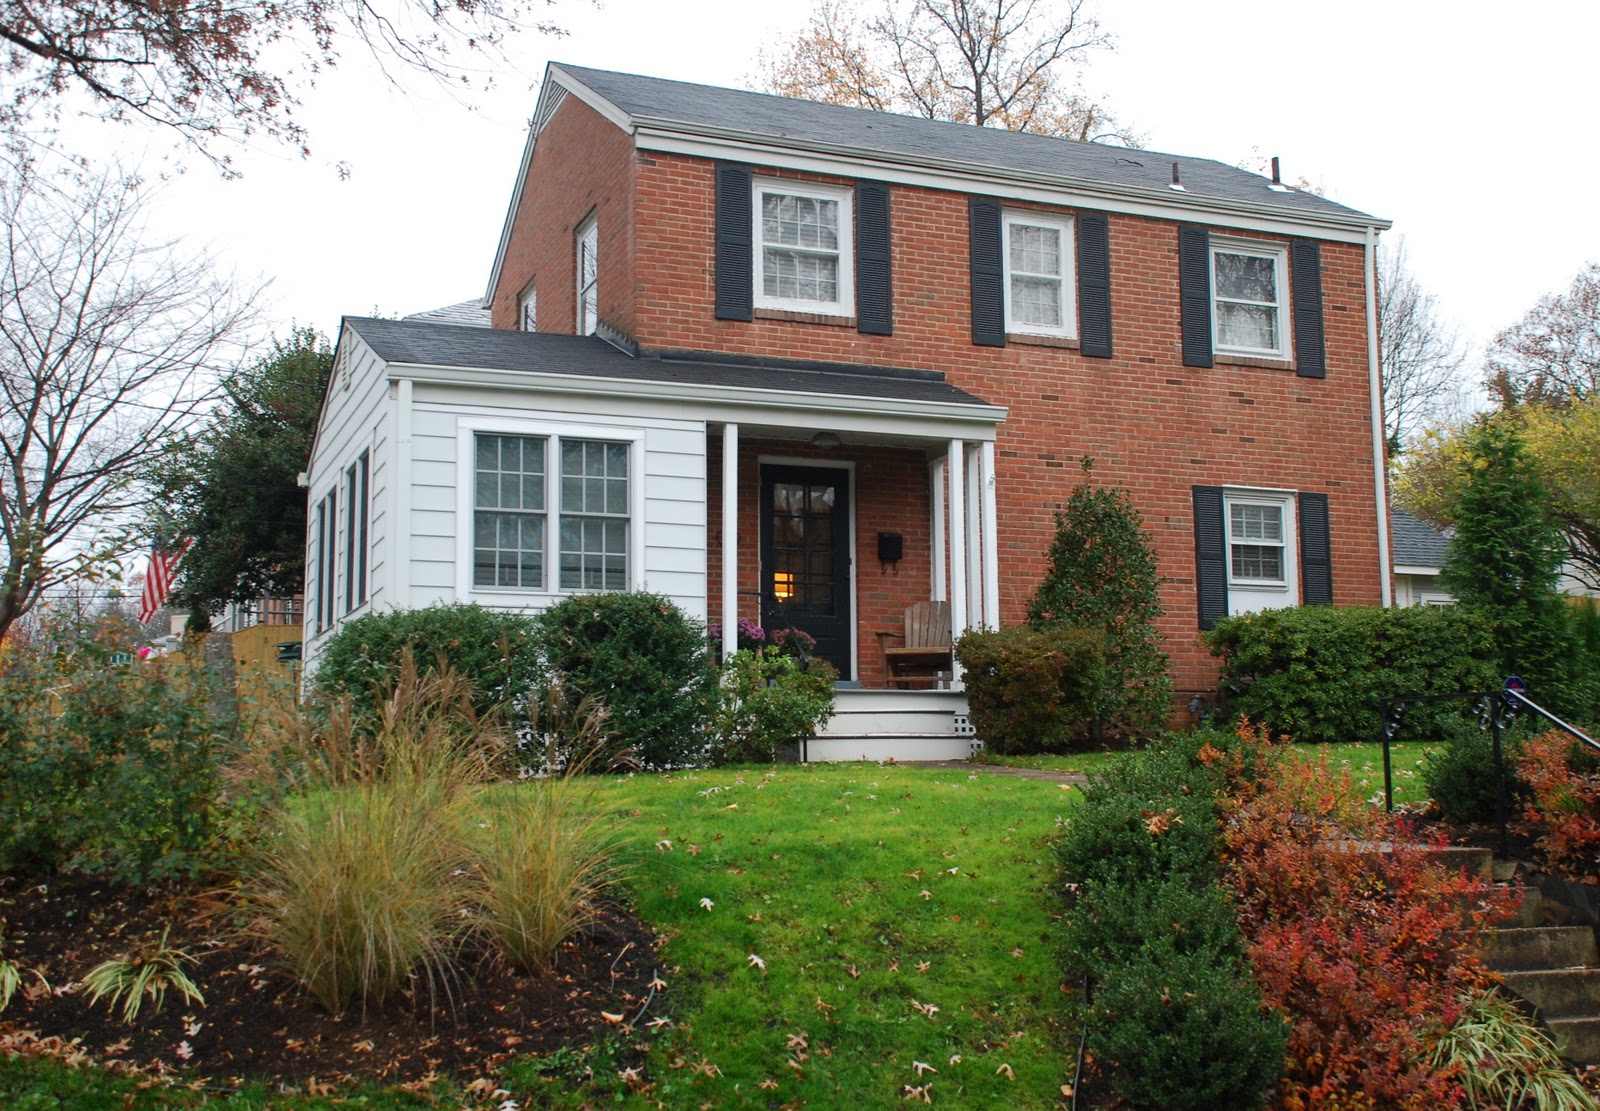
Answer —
512 506
802 245
1248 296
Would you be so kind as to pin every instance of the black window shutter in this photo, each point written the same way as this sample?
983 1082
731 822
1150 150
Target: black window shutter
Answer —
874 284
1305 271
988 273
1210 556
1094 285
735 242
1316 556
1194 292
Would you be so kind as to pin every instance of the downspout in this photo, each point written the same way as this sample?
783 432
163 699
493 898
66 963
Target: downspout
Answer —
1380 477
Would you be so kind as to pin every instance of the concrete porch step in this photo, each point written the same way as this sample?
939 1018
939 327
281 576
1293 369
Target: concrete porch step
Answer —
1578 1039
1530 948
1557 992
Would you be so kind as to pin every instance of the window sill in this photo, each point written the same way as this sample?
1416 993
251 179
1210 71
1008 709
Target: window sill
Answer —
806 317
1033 339
1252 360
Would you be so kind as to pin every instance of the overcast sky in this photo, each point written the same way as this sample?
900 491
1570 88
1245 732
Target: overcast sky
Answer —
1470 126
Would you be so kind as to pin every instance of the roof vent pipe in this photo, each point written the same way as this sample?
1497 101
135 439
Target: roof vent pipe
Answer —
1277 185
1176 184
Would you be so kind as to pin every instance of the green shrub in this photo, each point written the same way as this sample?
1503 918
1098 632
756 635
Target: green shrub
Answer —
645 661
544 853
110 768
1103 575
1320 673
768 701
1460 774
1030 690
1114 923
1149 815
1187 1032
492 650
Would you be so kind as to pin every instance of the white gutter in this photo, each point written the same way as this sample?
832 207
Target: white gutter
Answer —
1379 446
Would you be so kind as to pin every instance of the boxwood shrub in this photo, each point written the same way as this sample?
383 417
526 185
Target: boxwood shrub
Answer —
1320 673
1030 690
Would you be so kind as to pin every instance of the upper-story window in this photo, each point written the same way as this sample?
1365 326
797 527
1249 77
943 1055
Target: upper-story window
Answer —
588 276
1248 294
802 248
528 309
1039 285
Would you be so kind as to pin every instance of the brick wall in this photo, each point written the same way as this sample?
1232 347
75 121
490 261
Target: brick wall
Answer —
1151 424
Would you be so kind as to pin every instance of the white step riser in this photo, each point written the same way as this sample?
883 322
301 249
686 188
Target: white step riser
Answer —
821 750
887 721
849 701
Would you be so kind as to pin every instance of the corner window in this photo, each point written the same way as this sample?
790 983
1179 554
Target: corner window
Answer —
1248 294
512 505
1039 283
328 572
803 249
355 552
528 309
588 276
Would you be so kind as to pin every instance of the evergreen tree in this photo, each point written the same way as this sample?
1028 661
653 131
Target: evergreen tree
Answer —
1505 558
1103 576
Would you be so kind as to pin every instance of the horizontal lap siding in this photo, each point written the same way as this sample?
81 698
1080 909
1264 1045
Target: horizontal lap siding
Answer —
673 474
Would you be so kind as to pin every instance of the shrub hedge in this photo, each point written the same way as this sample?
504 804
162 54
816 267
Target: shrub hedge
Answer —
1321 673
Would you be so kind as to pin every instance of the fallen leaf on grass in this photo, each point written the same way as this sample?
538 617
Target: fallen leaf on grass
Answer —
928 1009
757 962
917 1095
767 1084
925 893
184 1050
611 1018
663 846
657 1022
1005 1071
707 903
923 1067
923 966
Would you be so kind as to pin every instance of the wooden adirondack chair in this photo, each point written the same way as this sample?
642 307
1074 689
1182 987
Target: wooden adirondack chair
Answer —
924 657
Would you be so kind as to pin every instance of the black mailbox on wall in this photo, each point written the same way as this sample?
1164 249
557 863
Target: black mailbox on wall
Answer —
891 546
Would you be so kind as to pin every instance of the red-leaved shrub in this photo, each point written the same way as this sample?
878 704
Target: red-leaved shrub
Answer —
1364 939
1563 805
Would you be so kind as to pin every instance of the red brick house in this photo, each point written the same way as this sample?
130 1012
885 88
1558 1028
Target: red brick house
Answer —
857 358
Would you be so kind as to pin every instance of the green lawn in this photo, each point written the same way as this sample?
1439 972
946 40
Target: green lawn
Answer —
902 916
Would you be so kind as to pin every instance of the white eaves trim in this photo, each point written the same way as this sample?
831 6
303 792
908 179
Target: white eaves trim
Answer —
978 422
1415 569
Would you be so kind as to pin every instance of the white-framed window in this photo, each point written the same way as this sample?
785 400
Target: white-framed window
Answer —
528 309
551 510
1249 297
588 263
1259 531
1039 289
803 249
357 509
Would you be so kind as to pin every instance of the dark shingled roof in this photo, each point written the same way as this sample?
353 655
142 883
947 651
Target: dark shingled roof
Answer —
471 313
425 343
916 139
1414 542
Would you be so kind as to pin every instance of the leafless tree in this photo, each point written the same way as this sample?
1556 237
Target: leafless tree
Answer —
1552 355
1420 354
205 68
994 63
108 350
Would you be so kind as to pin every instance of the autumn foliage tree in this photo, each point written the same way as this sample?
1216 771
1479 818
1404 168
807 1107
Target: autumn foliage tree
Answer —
995 63
1552 355
207 68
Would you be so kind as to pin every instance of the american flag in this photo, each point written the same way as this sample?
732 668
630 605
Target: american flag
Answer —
158 579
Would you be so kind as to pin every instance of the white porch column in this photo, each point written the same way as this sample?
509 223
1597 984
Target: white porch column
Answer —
936 527
730 540
991 539
955 463
975 591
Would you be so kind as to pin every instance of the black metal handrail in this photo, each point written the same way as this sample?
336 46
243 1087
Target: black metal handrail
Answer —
1496 710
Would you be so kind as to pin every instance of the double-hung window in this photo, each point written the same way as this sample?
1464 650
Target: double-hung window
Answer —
513 501
356 510
588 263
803 248
1039 284
1255 542
1249 283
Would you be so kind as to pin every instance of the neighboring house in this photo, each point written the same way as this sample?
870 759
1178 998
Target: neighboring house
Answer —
1418 555
856 358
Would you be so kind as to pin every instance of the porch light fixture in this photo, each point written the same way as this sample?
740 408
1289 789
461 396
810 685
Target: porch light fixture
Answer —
826 441
783 585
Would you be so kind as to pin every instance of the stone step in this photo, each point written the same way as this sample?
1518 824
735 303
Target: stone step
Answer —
1558 992
1530 911
1476 861
1578 1038
1530 948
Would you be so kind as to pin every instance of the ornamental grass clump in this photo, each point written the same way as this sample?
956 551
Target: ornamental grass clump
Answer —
145 975
1503 1059
544 853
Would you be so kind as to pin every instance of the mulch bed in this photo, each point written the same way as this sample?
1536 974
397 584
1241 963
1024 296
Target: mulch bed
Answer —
259 1024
